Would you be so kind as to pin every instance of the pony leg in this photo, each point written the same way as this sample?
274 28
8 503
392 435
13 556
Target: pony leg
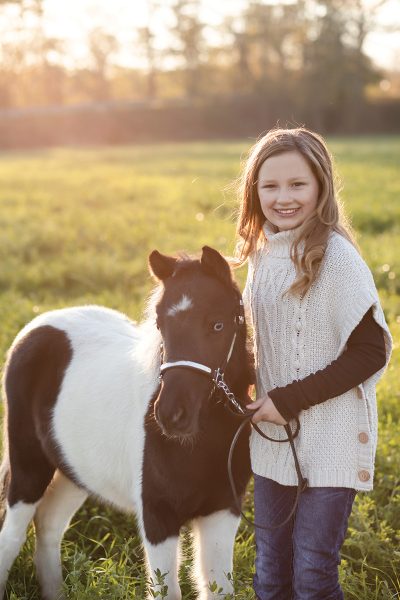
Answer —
164 557
214 537
12 536
60 502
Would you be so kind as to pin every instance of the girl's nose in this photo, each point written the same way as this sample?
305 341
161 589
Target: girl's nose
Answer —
284 196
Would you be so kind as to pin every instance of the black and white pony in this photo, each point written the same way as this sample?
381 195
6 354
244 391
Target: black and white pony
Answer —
87 414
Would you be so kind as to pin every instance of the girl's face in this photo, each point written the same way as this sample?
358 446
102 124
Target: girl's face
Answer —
288 190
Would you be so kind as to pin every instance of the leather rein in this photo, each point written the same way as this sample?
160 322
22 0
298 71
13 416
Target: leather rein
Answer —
234 406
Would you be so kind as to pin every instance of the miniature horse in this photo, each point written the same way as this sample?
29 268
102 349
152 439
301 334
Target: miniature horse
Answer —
87 413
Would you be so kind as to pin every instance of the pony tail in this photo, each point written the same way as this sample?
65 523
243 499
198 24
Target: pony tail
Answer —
4 483
5 472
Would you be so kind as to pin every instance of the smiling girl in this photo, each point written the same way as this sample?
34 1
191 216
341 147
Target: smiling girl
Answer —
321 344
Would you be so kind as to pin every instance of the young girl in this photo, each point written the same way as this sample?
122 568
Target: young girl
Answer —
321 344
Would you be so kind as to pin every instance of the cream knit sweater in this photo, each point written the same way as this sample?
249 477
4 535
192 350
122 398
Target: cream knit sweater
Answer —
294 337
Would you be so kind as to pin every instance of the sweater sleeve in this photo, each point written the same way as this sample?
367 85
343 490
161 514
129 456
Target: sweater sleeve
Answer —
363 356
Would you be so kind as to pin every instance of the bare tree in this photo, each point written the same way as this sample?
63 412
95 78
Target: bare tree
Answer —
336 68
188 34
102 47
146 41
266 39
241 44
27 55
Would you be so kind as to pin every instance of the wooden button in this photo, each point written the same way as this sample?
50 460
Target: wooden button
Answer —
364 475
363 437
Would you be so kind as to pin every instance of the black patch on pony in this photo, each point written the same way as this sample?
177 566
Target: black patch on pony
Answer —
33 378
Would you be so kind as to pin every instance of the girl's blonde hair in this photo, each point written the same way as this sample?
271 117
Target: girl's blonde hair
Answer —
314 231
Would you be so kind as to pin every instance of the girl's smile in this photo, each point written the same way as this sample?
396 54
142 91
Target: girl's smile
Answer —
288 190
287 213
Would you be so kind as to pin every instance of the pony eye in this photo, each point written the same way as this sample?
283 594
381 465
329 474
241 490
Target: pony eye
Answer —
218 326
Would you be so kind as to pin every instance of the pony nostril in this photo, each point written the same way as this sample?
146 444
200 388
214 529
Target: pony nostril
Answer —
178 416
169 421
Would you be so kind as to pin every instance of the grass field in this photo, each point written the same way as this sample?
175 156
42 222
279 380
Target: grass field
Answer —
77 226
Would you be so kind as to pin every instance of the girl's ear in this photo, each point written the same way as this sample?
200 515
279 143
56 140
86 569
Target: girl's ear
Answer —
161 266
215 264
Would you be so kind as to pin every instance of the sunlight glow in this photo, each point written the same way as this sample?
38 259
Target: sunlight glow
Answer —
72 21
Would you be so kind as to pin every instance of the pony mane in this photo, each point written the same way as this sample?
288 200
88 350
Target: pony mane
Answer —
147 352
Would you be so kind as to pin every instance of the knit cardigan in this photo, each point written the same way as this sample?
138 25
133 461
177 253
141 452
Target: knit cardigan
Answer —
295 336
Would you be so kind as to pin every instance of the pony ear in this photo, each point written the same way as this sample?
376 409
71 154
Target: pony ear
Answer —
213 262
161 266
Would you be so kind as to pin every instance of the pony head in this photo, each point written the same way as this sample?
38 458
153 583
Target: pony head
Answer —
197 315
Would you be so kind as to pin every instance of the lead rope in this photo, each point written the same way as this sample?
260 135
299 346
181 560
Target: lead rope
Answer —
302 482
234 407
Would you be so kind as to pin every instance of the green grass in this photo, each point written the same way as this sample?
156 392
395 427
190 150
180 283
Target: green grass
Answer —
77 226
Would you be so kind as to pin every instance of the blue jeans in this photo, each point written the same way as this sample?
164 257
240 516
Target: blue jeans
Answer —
300 560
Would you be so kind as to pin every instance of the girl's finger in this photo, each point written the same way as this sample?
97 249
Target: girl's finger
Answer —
256 404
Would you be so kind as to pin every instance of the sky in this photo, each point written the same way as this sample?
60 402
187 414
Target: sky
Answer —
73 19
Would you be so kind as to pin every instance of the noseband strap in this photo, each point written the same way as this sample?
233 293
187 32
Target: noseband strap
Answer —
186 364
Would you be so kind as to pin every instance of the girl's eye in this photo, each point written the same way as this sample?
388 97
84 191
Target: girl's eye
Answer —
298 183
218 326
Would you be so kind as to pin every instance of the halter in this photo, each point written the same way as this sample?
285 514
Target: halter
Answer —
217 377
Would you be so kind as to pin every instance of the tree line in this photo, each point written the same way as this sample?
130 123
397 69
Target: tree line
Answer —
301 57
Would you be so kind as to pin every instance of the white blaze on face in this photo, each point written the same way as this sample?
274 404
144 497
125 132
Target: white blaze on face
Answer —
185 303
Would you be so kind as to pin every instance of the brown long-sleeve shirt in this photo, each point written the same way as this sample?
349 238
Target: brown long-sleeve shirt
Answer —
364 356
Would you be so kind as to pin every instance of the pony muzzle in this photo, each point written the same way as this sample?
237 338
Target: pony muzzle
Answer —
174 418
178 406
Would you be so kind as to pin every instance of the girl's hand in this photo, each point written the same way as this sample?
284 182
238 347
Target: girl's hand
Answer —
265 410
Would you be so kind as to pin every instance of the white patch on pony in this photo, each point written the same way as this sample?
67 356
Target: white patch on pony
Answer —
12 536
164 557
60 501
214 537
185 303
116 387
